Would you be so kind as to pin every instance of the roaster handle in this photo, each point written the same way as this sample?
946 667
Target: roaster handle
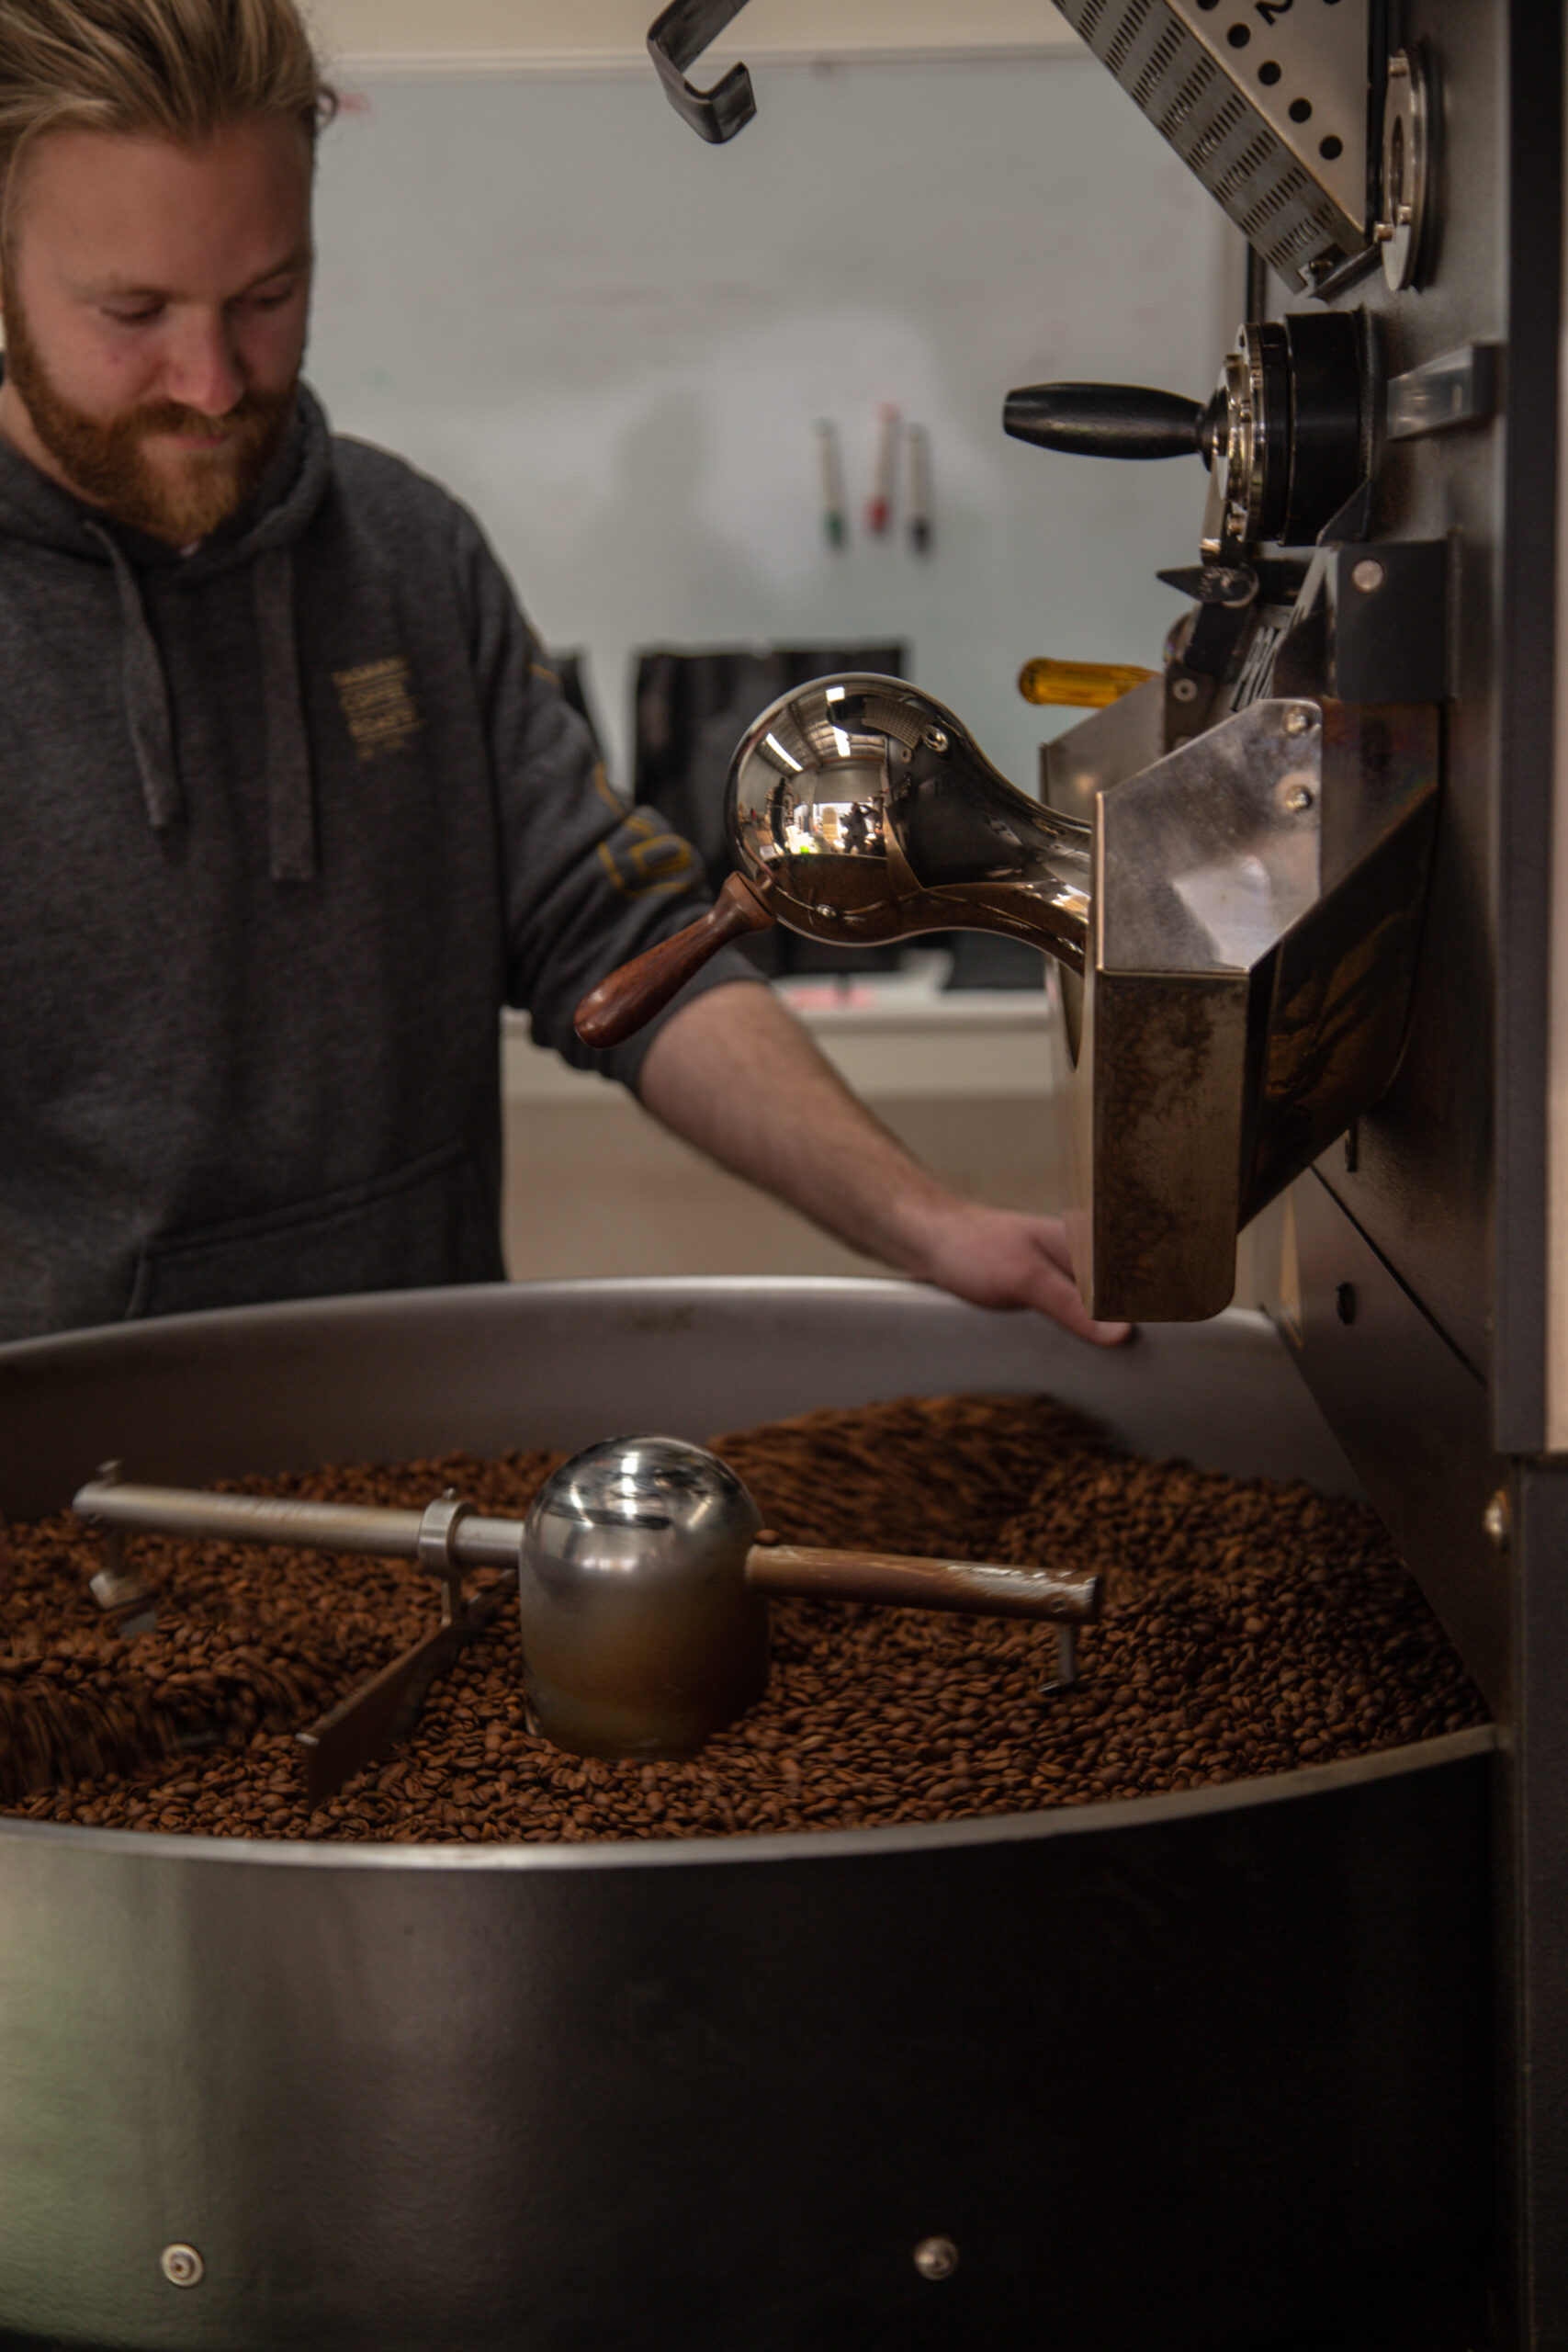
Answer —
627 999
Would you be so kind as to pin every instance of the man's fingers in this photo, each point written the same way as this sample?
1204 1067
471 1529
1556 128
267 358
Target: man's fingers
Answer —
1110 1335
1056 1293
1058 1296
1002 1260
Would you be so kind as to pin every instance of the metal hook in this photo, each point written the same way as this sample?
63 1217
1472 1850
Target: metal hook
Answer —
676 38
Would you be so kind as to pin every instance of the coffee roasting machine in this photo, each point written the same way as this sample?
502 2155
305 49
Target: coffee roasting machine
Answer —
1261 2068
1303 903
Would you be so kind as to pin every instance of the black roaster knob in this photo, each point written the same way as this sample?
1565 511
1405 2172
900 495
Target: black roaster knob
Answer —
1108 421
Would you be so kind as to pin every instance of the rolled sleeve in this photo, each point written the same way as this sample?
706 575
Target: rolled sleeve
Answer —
589 880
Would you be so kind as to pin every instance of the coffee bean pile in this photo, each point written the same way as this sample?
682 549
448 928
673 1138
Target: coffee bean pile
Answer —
1251 1627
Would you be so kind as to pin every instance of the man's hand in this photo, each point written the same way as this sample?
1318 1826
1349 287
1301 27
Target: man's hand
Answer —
1000 1258
734 1073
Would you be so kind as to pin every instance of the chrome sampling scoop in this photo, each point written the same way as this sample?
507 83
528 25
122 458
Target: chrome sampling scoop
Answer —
860 810
643 1576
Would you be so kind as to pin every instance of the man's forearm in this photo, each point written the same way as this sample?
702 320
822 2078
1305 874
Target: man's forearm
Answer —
738 1076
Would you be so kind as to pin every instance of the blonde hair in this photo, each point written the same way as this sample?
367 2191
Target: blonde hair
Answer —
179 69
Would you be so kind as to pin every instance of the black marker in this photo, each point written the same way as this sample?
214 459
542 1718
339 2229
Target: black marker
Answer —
917 444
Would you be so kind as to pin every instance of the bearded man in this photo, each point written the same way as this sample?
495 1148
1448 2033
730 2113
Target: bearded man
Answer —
291 803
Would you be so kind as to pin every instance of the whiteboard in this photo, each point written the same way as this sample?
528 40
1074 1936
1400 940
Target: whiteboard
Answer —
613 342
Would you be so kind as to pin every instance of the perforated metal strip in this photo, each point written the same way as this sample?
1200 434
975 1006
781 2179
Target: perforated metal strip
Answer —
1215 115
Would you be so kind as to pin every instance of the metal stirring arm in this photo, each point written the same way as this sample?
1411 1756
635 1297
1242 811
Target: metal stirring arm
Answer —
612 1593
444 1534
449 1536
1066 1599
979 1587
361 1728
446 1537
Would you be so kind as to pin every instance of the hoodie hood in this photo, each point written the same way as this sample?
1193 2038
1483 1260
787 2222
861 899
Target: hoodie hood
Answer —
262 534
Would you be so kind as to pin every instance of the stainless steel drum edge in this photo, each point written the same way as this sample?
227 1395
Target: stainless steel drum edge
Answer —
794 1846
404 1375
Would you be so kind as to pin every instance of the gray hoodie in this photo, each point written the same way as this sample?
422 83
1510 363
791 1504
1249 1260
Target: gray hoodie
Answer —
283 823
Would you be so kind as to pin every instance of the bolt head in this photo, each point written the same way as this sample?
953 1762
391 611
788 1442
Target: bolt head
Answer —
1297 721
182 2266
935 739
936 2258
1298 799
1184 689
1369 575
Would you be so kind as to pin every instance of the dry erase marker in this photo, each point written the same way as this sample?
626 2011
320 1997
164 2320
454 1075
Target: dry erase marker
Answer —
917 443
879 505
831 476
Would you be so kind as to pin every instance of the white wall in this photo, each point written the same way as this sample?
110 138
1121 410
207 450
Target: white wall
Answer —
583 28
613 341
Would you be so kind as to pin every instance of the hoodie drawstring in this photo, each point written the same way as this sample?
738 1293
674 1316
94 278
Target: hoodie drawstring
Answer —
292 814
146 695
291 817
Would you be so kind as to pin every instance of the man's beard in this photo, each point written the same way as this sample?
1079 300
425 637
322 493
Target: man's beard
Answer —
104 462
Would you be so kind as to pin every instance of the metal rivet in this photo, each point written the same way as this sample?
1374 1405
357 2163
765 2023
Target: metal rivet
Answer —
1369 575
1297 721
936 2258
1298 801
1345 1302
182 2266
934 739
1494 1519
1184 689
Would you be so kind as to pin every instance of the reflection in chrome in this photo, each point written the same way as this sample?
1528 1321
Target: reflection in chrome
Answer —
862 811
775 746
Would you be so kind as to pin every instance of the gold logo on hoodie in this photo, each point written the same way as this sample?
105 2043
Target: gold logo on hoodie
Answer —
379 705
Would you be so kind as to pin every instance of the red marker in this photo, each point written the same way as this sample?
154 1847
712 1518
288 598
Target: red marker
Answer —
879 505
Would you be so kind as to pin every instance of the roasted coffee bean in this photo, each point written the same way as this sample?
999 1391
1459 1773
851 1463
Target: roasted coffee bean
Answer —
1251 1627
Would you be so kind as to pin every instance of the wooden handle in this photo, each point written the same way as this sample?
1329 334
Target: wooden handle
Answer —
621 1004
981 1587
